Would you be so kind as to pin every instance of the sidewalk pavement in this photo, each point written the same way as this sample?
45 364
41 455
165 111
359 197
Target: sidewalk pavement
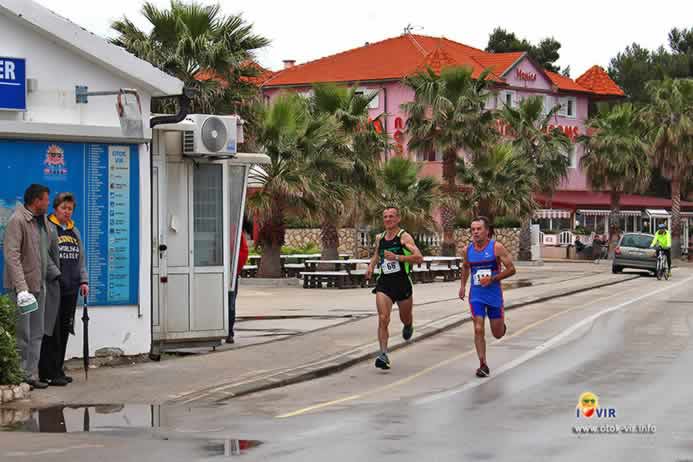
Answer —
215 377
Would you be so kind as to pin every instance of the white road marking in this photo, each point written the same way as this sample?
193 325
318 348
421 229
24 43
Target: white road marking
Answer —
546 345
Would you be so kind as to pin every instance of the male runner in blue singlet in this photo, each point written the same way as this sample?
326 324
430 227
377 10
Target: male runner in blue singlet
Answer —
483 260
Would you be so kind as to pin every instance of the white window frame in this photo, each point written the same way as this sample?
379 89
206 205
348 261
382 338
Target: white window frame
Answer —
549 103
572 156
305 93
504 97
375 102
563 111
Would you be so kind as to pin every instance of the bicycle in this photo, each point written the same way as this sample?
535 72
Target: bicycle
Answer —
662 265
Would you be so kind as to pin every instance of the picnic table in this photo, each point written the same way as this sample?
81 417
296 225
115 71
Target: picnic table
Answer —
345 273
292 264
447 267
342 274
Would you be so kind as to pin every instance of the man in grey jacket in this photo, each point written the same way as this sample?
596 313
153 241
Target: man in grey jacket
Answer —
30 241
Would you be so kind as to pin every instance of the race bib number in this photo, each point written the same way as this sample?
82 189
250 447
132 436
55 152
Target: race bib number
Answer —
390 267
481 274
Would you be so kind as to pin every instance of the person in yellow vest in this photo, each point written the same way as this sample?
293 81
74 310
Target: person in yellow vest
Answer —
662 239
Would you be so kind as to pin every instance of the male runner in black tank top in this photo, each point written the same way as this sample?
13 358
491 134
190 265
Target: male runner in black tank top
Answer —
395 252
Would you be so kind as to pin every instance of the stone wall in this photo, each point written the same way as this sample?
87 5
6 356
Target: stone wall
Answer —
9 393
303 237
509 237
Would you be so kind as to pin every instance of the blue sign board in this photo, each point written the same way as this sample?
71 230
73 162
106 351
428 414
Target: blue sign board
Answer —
104 179
12 84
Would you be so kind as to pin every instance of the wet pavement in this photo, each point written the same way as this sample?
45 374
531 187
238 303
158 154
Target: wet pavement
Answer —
629 344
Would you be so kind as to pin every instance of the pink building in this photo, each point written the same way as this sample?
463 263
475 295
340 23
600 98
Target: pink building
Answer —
379 67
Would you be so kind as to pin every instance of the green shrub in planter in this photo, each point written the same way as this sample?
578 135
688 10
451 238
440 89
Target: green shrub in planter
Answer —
10 373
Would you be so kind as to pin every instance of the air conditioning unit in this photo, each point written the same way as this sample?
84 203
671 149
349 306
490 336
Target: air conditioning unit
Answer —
212 136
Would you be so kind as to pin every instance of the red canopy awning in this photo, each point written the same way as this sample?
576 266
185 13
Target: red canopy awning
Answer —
589 199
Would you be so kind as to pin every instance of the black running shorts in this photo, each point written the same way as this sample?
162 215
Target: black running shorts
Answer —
397 289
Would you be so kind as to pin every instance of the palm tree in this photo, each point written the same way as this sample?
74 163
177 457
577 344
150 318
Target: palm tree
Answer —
615 158
545 149
399 185
501 182
189 38
669 117
356 145
448 115
296 143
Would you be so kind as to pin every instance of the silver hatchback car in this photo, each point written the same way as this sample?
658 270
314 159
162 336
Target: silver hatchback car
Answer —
633 251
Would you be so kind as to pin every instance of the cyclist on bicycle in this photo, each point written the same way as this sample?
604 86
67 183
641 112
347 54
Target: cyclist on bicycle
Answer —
662 240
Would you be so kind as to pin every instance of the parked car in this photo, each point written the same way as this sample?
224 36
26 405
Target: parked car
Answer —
633 251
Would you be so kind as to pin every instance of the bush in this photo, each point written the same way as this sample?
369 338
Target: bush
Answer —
309 248
463 222
506 222
10 372
294 222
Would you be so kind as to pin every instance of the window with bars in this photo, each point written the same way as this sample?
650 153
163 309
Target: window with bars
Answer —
208 218
429 156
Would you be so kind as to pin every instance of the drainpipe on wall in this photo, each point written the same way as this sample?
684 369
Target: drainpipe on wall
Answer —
183 110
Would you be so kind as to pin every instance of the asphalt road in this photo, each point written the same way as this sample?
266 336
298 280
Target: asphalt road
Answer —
628 344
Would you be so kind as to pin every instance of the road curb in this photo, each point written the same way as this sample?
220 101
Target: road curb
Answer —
343 361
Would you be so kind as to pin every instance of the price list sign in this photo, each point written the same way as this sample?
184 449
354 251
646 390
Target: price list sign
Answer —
104 179
110 255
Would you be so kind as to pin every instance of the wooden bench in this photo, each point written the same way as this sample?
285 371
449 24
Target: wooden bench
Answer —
249 271
449 273
358 278
315 279
293 270
421 274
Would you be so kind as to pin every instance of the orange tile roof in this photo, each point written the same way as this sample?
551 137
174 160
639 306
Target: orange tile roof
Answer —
565 83
437 60
498 62
259 79
393 58
596 80
397 57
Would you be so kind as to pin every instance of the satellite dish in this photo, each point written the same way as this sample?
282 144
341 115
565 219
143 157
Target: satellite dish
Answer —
214 134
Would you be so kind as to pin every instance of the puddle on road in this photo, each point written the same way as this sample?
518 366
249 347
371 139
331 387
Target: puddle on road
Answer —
228 448
77 418
106 418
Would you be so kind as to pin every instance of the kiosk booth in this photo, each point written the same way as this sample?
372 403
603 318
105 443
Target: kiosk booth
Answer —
158 216
199 190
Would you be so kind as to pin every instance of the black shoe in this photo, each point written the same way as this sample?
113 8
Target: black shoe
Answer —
230 339
67 378
37 384
57 382
483 371
382 361
407 331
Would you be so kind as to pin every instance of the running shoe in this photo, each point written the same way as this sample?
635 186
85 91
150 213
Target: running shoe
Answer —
407 331
382 361
483 371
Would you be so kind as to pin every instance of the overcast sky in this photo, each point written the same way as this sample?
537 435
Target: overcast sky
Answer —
590 31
